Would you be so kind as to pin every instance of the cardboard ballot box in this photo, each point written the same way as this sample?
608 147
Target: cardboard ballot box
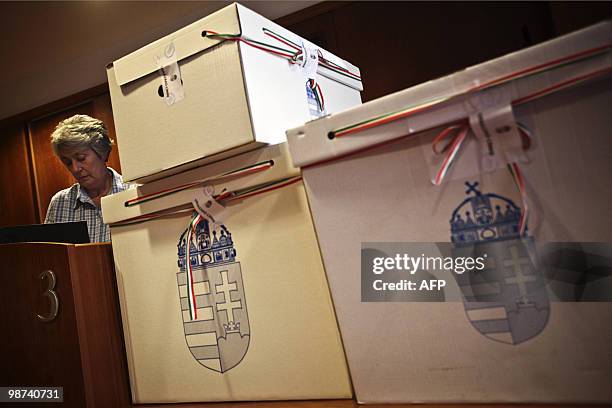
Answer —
530 327
230 82
250 316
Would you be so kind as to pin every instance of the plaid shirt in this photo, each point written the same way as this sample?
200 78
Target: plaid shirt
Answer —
73 204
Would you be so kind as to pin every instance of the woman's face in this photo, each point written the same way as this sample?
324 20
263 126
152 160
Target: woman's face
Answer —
88 169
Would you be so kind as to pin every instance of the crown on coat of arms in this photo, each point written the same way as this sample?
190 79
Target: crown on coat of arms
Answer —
484 217
232 327
211 246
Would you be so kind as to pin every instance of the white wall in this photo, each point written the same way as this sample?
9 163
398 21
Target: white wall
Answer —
50 50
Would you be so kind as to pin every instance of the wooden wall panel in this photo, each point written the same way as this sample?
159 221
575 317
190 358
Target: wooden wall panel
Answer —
50 174
103 110
573 15
17 199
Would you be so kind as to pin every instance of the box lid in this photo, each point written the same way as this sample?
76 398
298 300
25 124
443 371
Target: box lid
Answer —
258 169
180 44
234 19
515 78
267 33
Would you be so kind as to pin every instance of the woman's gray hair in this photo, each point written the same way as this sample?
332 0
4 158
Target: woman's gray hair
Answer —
81 131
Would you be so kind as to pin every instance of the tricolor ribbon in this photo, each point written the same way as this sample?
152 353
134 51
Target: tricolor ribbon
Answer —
455 135
225 197
255 168
193 224
520 184
529 71
316 90
459 134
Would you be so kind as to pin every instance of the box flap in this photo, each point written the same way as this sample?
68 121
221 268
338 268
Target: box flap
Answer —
507 79
114 208
182 43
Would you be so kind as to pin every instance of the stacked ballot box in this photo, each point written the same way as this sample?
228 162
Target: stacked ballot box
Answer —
508 160
228 83
229 302
222 288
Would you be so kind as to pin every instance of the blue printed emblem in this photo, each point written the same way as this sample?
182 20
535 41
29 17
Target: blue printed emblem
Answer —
508 300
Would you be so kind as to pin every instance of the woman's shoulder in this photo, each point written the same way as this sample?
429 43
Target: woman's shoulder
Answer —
118 183
66 194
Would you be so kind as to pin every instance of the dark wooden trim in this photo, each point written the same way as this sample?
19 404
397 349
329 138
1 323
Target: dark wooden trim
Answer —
16 182
32 172
98 318
55 106
34 177
310 12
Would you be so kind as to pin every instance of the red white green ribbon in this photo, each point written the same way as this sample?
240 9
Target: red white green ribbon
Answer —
387 118
255 168
316 90
193 224
459 134
536 69
517 175
291 51
259 189
225 197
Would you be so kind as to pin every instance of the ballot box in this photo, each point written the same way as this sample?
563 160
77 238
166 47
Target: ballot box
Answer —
465 229
232 309
225 84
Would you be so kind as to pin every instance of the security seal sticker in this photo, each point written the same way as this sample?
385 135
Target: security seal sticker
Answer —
311 62
500 141
207 206
172 83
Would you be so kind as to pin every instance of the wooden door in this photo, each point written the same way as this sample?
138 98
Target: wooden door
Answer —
17 201
50 175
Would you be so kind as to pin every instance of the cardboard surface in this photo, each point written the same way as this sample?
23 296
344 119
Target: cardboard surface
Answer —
289 328
233 96
432 352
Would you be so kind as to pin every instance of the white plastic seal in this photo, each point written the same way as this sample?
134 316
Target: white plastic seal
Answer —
172 83
311 62
497 132
206 205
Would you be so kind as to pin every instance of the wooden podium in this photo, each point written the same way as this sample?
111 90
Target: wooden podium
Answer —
61 324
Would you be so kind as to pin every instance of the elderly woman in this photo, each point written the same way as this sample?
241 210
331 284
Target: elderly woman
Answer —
82 144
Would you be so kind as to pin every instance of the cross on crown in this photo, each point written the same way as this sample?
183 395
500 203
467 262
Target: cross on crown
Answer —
484 217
